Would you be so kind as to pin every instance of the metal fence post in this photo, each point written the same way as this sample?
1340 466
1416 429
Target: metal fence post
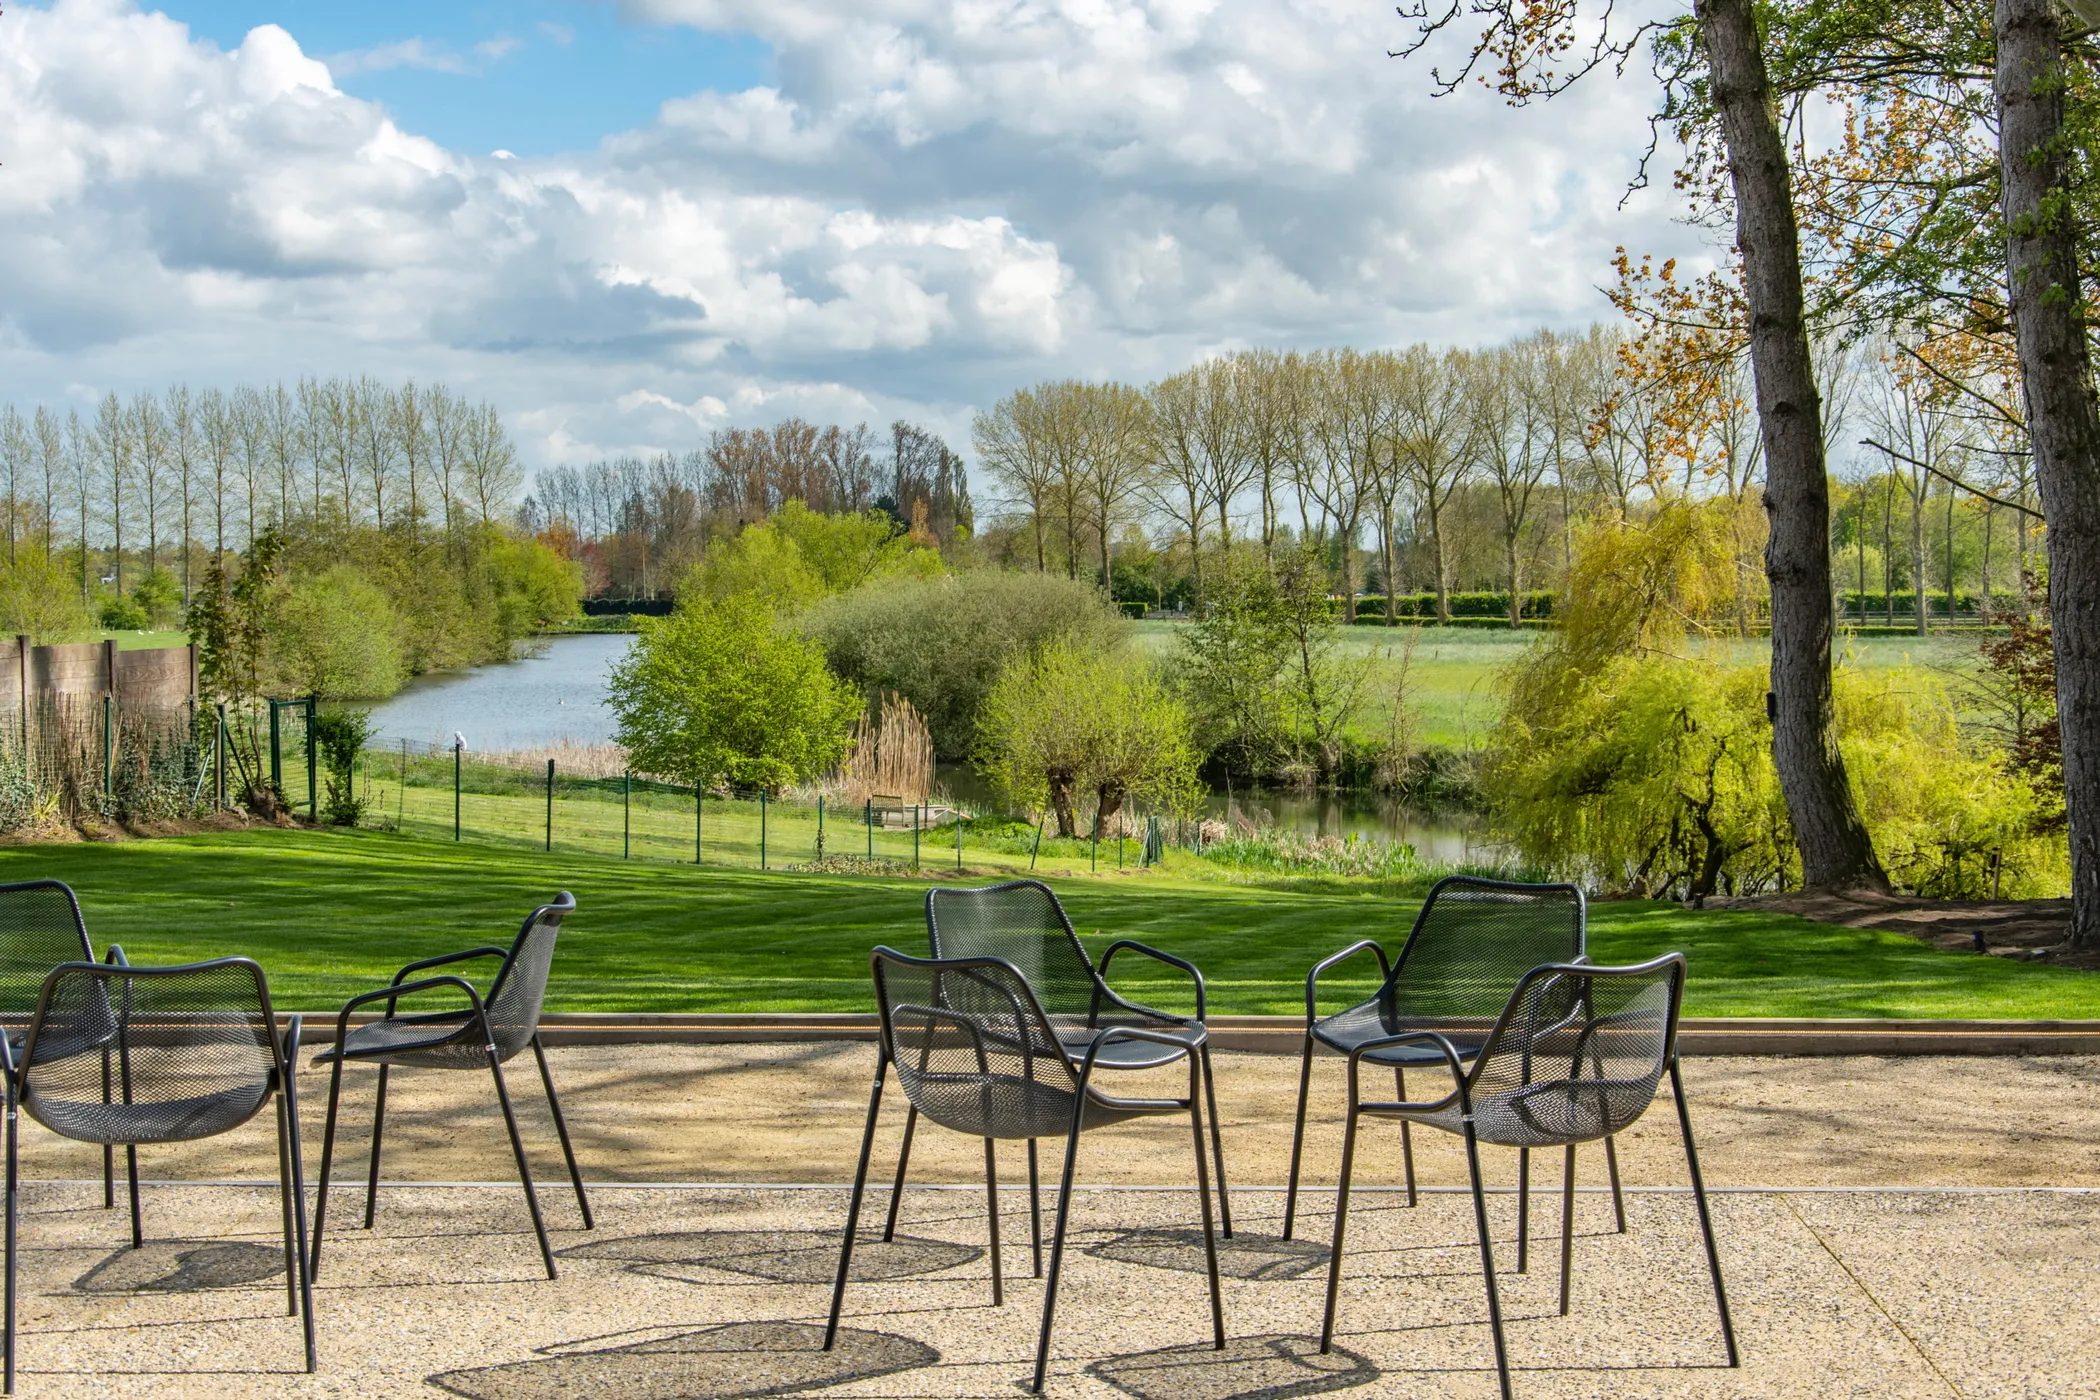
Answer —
401 798
457 749
550 804
761 828
220 761
627 815
1036 849
958 839
109 747
699 801
276 754
917 809
868 815
313 787
820 826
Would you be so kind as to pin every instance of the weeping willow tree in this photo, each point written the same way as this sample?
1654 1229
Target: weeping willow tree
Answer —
1631 758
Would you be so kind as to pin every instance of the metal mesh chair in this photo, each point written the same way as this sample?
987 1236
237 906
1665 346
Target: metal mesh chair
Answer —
1576 1055
196 1054
484 1034
1470 944
1022 923
974 1050
41 927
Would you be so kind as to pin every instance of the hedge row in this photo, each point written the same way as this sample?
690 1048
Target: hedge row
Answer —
1538 603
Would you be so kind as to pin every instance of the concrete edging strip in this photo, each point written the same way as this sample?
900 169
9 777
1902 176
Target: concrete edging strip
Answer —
1286 1034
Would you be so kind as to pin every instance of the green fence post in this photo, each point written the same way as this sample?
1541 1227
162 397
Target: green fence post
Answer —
550 804
313 786
401 798
916 810
820 826
1119 851
276 755
627 816
958 838
761 828
868 814
220 761
458 748
1034 850
699 801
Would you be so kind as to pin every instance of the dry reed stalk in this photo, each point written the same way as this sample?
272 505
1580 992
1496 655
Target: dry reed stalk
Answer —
571 759
892 754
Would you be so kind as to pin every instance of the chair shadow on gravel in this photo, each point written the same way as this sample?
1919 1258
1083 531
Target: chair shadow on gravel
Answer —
780 1256
1267 1367
737 1361
1243 1256
183 1266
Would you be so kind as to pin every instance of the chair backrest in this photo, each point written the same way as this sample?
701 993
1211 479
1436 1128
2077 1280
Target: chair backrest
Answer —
150 1054
1471 943
519 992
1578 1052
1019 922
972 1047
40 927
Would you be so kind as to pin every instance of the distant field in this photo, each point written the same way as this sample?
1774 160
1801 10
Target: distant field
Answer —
144 641
1451 684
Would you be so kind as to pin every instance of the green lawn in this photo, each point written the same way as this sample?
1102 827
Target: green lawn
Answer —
330 913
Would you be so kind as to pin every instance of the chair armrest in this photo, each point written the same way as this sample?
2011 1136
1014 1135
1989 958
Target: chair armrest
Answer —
1145 950
444 958
1189 1040
288 1043
1312 979
1442 1042
116 956
390 994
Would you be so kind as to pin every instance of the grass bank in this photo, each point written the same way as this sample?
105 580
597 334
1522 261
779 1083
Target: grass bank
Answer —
330 913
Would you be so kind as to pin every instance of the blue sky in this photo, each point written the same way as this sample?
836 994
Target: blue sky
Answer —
530 76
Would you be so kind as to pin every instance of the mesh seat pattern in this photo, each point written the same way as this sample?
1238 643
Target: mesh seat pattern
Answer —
1472 942
1022 923
143 1055
974 1050
40 927
1577 1057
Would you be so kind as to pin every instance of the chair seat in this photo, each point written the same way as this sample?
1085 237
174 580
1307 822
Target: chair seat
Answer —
1553 1114
442 1041
200 1115
1124 1054
1345 1030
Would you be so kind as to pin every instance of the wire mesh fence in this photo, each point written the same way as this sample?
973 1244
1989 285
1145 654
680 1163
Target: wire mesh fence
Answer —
454 794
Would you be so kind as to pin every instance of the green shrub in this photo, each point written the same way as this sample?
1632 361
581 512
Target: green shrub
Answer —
340 736
123 614
337 636
940 642
40 599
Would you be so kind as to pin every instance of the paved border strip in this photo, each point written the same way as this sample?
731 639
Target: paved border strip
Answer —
977 1187
1285 1035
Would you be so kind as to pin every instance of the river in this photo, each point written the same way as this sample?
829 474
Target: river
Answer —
557 694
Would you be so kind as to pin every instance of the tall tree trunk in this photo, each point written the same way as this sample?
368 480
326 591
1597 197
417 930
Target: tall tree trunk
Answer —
2049 329
1836 851
1436 538
1920 583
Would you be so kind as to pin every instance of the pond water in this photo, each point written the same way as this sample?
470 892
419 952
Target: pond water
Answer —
558 693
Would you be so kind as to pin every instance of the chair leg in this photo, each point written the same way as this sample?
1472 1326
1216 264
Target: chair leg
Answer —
1035 1209
991 1213
131 1166
1523 1210
517 1147
889 1225
1407 1137
561 1130
109 1152
1290 1195
284 1200
1341 1227
292 1190
1618 1198
1057 1251
1217 1145
335 1094
1487 1259
378 1136
1706 1223
860 1186
14 1187
1210 1239
1567 1224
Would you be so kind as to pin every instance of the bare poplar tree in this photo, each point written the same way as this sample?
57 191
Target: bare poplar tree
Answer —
184 446
1112 436
15 452
493 476
1012 441
51 466
251 431
1175 485
149 429
215 427
114 459
1431 422
1509 431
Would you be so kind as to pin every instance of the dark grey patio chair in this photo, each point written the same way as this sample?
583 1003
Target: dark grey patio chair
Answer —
1605 1036
484 1034
1023 923
1470 944
197 1054
41 927
975 1051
